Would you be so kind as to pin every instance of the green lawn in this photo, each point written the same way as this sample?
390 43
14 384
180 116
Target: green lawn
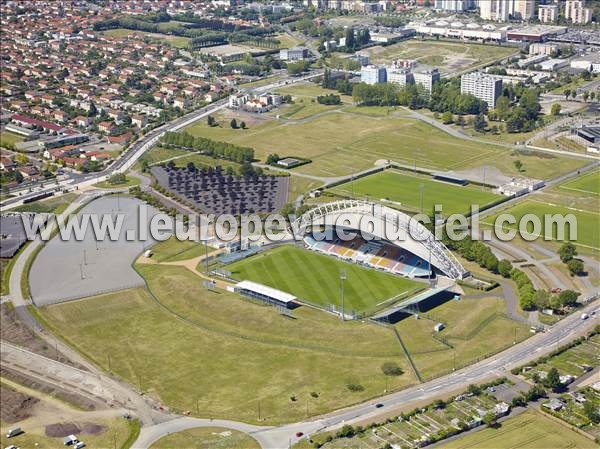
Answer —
347 142
113 431
529 430
588 223
173 249
475 327
314 278
129 182
207 438
223 354
405 188
174 41
54 205
588 183
8 139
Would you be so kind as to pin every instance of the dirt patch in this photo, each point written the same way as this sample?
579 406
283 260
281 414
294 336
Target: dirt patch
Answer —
71 398
13 330
60 430
15 406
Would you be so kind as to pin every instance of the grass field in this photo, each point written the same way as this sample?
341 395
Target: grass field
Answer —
173 250
588 183
207 438
227 353
54 205
314 278
529 430
174 41
8 139
129 182
588 223
341 143
474 327
34 437
404 188
449 57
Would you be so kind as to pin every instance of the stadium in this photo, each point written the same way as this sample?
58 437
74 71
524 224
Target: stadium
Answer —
347 241
416 254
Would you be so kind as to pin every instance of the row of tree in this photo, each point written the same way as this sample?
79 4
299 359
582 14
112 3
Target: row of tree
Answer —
222 150
329 99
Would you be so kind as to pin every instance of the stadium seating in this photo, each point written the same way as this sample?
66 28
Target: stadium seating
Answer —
375 254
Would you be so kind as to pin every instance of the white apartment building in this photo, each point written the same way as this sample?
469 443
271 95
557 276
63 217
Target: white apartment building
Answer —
485 87
427 78
576 11
400 76
548 13
502 10
373 74
454 5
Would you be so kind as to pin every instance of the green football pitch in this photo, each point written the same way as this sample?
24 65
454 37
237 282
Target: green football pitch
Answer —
588 183
588 224
315 278
406 189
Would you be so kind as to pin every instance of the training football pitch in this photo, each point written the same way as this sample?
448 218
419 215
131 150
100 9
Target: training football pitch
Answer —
588 183
406 189
315 278
588 223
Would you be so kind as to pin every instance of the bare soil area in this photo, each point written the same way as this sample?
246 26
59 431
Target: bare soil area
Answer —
15 406
59 430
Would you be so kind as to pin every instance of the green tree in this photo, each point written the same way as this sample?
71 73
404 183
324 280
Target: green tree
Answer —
567 93
489 419
210 120
568 298
502 107
233 123
479 124
591 412
504 268
576 267
541 298
447 117
350 39
567 251
555 110
518 165
243 125
585 95
552 379
391 369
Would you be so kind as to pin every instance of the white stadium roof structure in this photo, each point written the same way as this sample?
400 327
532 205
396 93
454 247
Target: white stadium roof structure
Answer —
356 214
266 291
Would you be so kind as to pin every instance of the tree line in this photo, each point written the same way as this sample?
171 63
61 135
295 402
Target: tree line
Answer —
222 150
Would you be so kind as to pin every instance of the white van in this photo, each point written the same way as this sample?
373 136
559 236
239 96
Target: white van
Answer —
14 432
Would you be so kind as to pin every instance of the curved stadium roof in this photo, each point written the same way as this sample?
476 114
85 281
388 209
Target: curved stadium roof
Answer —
377 220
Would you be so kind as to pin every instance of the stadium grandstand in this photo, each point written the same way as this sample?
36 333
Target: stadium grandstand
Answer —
266 294
417 254
375 254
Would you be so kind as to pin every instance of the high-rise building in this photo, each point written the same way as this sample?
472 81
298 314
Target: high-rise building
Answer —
400 76
485 87
454 5
524 9
427 78
373 74
576 11
496 10
548 13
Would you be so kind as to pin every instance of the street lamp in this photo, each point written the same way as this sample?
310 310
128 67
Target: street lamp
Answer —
343 277
421 185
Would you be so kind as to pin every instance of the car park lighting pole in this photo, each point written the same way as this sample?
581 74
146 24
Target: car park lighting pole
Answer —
343 278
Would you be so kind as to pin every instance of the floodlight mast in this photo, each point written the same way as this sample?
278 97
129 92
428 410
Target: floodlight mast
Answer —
343 277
